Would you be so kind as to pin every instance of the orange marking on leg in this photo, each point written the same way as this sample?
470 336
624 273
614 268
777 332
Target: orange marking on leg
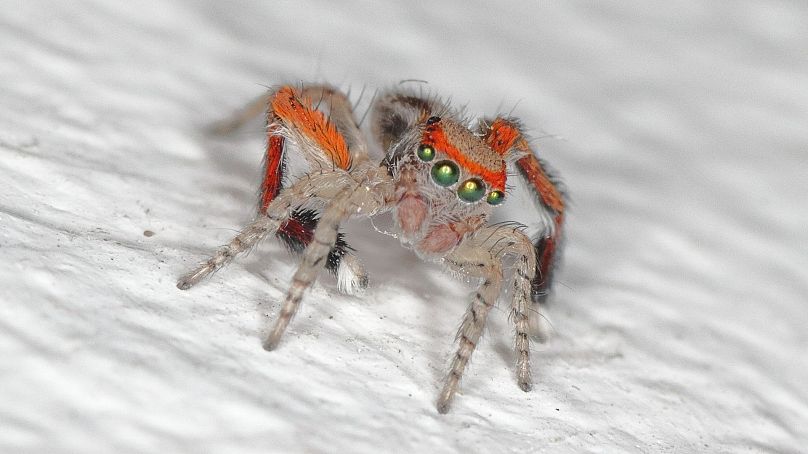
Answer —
501 136
312 124
435 137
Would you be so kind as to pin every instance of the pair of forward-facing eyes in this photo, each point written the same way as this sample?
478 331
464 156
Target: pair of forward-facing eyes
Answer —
446 172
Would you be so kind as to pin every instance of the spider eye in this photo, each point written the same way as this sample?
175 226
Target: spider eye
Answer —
495 197
426 153
445 173
471 190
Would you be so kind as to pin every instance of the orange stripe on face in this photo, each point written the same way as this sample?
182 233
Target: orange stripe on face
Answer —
501 136
313 124
435 137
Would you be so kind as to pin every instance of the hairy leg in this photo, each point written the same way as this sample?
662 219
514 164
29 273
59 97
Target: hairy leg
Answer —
472 259
251 235
308 103
340 114
366 196
320 186
297 231
511 241
482 256
238 119
505 136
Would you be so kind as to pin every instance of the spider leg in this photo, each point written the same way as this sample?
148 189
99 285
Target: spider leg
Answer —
296 232
324 238
547 245
504 135
355 199
253 233
471 259
482 256
340 114
513 241
241 117
267 223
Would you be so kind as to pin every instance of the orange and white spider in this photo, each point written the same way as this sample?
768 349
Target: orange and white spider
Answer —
441 177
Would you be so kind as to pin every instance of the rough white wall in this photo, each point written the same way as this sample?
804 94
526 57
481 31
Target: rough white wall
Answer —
680 317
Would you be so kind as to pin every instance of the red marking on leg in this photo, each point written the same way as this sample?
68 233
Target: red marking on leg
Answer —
313 124
546 259
273 169
501 136
295 229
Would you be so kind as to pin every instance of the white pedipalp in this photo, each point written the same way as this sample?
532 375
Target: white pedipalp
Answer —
352 278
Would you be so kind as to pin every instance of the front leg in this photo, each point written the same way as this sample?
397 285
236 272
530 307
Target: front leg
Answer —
364 198
481 256
505 136
471 259
512 241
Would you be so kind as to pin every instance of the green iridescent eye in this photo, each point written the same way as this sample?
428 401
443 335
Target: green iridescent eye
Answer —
495 197
445 173
471 190
426 153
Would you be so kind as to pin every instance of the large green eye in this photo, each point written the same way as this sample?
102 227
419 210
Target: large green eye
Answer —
471 190
426 153
445 173
495 197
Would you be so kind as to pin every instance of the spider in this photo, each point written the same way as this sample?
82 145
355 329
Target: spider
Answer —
441 176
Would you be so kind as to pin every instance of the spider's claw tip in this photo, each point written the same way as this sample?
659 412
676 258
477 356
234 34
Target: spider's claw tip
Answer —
269 345
182 284
443 407
525 386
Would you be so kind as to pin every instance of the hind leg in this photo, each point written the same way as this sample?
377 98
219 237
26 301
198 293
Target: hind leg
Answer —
323 186
297 231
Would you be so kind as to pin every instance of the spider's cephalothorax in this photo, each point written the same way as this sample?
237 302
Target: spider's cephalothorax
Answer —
439 178
446 184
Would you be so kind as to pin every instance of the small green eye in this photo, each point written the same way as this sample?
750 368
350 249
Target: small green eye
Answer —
471 190
426 153
445 173
496 197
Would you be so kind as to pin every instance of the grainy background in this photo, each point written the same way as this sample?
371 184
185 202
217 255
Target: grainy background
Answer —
680 315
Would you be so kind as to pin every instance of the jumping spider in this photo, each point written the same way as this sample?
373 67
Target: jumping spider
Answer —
439 178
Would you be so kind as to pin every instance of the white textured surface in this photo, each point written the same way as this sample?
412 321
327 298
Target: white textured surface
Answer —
681 316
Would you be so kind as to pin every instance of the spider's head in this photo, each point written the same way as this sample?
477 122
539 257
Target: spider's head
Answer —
448 174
